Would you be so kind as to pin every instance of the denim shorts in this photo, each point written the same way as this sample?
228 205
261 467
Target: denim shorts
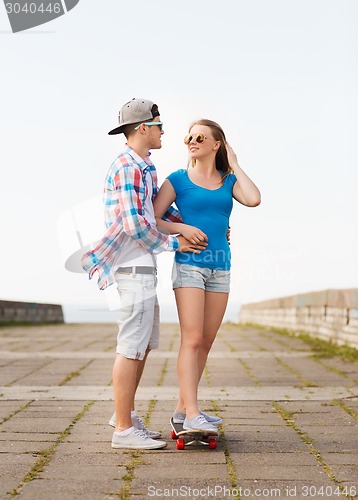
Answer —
210 280
138 315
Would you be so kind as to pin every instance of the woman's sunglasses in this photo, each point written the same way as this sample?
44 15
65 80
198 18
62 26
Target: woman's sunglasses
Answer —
199 138
160 125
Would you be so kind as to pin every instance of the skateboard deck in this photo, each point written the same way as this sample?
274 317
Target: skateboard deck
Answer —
189 437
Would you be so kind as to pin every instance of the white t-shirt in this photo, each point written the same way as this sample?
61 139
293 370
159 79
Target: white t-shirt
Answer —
131 252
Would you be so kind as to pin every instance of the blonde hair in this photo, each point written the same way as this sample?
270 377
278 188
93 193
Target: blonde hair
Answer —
221 159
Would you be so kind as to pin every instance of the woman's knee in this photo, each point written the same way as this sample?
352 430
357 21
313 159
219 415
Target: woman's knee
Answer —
192 340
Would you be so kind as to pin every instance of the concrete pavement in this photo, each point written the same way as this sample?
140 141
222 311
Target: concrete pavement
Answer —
289 420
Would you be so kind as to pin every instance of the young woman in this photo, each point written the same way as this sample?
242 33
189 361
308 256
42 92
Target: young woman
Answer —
203 193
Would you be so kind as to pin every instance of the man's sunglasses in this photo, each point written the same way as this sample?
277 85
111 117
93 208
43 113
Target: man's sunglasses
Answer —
199 138
160 125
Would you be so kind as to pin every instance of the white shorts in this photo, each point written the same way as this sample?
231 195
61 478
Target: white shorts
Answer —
138 316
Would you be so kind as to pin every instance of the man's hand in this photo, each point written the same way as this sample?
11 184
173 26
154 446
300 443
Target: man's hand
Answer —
186 246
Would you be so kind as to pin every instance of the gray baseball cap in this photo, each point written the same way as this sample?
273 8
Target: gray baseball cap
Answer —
135 111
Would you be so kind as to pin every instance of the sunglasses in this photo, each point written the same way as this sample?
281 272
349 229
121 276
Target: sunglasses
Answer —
199 138
159 124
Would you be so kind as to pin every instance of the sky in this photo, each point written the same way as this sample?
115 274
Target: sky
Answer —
280 77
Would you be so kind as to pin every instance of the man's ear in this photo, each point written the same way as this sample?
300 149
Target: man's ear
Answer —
142 128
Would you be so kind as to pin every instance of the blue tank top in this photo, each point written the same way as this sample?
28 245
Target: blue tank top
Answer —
209 210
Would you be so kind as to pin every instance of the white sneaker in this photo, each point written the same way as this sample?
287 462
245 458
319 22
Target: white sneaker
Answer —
136 440
179 417
199 423
112 420
213 419
138 424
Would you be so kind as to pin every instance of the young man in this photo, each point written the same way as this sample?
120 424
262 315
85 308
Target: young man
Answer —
126 256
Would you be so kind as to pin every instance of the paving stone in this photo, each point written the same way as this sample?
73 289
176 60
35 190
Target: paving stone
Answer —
347 473
268 488
276 459
36 425
27 436
280 473
91 447
15 459
71 488
171 487
94 457
23 446
11 475
264 451
341 458
81 472
182 469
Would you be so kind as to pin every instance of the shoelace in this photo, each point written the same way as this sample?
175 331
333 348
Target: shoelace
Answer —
140 423
140 433
201 419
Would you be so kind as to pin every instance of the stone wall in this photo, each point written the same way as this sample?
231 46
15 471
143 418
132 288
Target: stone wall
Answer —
29 312
328 314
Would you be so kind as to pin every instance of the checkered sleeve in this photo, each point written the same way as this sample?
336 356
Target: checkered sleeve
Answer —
172 215
129 185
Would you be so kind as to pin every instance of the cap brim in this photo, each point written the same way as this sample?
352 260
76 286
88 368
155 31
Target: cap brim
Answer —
118 130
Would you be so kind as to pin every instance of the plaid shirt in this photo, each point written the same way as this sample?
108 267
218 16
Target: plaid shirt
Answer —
125 192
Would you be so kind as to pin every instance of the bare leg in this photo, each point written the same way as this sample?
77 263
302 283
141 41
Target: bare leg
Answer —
215 306
123 392
190 304
214 310
124 387
141 364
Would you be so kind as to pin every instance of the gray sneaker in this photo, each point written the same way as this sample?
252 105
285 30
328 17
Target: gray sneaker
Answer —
213 419
179 417
199 423
138 424
136 440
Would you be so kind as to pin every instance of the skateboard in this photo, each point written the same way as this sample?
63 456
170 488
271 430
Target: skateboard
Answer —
189 437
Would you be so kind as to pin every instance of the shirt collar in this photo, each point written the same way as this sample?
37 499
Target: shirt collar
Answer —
142 162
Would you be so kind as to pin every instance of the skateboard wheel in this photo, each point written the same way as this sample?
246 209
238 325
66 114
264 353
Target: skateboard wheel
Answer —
212 443
180 444
174 436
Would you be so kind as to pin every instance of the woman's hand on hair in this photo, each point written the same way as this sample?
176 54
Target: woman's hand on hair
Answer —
231 156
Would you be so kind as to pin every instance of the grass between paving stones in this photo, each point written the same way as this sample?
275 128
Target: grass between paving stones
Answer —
296 373
288 417
135 461
56 346
248 370
128 477
333 369
47 453
229 463
75 373
344 407
43 365
136 455
16 412
163 373
233 349
322 348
